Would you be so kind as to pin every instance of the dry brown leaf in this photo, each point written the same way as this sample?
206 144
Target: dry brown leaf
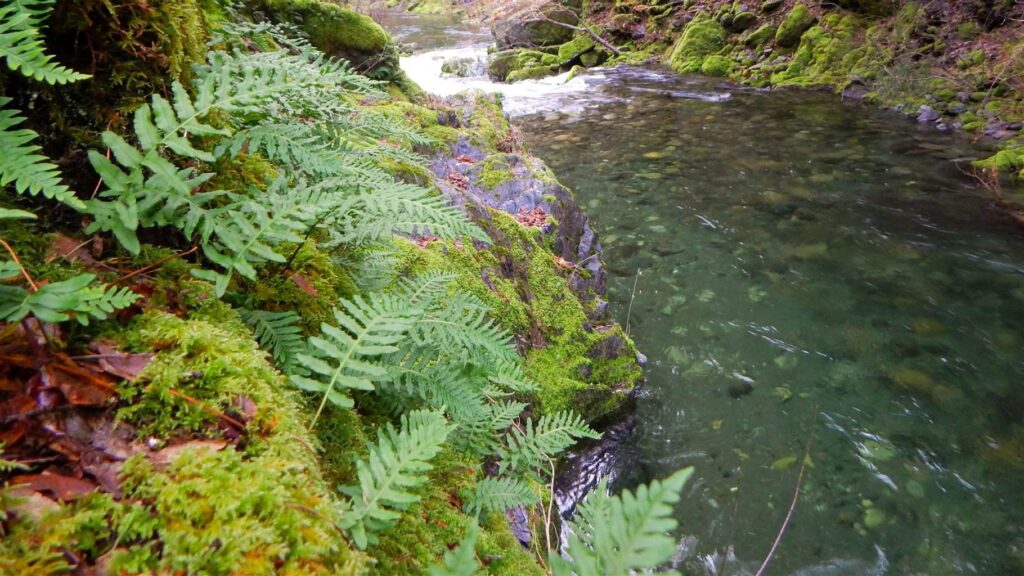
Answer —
27 503
167 456
121 364
63 487
304 284
78 386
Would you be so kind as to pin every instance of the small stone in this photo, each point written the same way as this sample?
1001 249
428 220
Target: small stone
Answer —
771 5
641 359
926 114
739 389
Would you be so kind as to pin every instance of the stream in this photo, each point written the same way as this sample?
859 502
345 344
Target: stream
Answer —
818 285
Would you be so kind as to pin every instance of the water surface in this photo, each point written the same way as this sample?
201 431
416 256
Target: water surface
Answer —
811 277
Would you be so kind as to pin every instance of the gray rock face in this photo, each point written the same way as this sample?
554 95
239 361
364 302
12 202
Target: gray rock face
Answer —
927 114
575 240
532 32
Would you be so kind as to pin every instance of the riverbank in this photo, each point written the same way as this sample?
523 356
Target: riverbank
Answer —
274 277
951 65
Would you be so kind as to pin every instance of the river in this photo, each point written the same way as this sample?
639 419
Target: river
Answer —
819 286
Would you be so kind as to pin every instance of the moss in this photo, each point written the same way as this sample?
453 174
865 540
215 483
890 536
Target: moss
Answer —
335 30
716 65
826 56
761 36
503 65
702 38
531 73
574 48
1009 160
494 170
798 21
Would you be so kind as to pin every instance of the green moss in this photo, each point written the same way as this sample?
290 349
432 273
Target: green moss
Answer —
761 36
575 47
702 38
716 65
531 73
335 30
826 56
494 170
504 66
1009 160
798 21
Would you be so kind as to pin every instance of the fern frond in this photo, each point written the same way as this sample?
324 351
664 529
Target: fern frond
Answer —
279 334
499 494
463 331
462 560
245 234
404 209
300 147
21 42
345 357
509 376
534 445
22 164
76 297
395 465
622 534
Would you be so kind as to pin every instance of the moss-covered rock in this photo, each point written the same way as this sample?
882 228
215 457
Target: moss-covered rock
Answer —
761 36
702 38
336 30
527 31
716 65
502 65
798 21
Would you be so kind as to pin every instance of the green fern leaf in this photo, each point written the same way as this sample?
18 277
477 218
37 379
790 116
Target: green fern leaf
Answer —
498 494
622 534
395 466
279 334
21 163
533 446
346 356
76 297
21 42
462 560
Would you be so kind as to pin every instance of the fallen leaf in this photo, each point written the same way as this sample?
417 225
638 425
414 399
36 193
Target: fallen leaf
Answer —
70 250
121 364
27 503
167 456
63 487
563 263
784 463
78 386
304 284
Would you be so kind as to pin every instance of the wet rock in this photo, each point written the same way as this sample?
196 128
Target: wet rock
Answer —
520 32
641 359
956 109
742 21
739 389
926 114
769 6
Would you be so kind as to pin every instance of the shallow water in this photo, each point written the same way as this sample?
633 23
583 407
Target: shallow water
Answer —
810 276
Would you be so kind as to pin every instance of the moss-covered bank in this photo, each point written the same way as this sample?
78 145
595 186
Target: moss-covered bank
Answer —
186 450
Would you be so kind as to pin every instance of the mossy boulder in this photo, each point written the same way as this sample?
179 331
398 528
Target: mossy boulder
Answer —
337 31
877 8
574 48
502 66
702 38
530 32
798 21
761 36
769 6
743 21
716 65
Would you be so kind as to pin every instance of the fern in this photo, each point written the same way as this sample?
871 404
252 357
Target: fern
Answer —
245 233
498 494
622 534
75 297
21 42
395 465
279 334
347 355
533 446
463 330
22 164
462 560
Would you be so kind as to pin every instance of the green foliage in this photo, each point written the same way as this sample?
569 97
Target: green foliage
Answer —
23 165
395 466
21 42
498 494
75 297
461 561
622 534
534 445
279 334
344 358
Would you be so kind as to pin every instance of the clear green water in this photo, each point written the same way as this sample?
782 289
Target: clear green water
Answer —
810 271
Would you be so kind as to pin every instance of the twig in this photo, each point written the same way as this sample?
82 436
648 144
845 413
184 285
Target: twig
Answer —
24 272
586 29
792 504
154 265
629 312
576 266
547 513
206 408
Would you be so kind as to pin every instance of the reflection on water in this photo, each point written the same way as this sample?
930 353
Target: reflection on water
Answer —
811 273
